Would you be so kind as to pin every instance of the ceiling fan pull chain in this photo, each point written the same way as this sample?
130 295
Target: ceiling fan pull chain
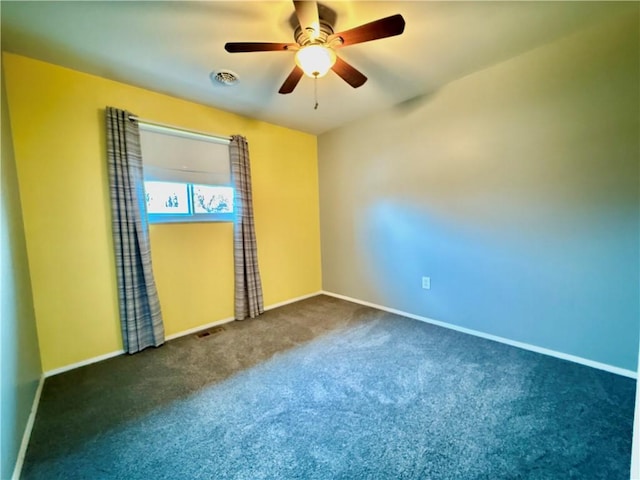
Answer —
315 92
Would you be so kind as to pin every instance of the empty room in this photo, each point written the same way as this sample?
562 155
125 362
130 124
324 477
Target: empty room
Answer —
320 240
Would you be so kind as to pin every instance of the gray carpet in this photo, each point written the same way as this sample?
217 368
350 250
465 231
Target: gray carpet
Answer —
326 389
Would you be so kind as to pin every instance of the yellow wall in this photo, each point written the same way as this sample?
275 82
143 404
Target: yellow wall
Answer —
57 117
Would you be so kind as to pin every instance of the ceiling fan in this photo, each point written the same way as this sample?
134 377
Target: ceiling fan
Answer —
316 43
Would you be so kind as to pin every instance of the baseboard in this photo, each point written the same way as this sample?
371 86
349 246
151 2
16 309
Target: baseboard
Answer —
173 336
199 328
26 436
495 338
88 361
293 300
231 319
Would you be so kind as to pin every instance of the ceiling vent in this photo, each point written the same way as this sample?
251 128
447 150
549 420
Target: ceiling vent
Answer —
224 77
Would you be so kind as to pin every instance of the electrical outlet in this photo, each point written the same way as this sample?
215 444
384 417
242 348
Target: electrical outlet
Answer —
426 283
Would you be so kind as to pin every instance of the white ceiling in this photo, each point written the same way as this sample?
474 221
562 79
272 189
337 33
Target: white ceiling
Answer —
172 47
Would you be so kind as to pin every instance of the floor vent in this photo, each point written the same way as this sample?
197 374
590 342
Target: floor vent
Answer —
208 333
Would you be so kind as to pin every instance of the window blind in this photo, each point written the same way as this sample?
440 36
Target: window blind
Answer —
179 156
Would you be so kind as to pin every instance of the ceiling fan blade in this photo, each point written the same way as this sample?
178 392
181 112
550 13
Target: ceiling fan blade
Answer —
292 80
348 73
382 28
238 47
307 13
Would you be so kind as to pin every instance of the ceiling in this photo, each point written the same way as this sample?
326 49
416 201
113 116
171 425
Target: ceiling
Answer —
172 47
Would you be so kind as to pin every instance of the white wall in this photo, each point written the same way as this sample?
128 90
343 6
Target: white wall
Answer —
514 188
19 354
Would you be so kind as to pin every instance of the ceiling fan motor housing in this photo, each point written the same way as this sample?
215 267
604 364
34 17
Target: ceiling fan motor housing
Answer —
302 38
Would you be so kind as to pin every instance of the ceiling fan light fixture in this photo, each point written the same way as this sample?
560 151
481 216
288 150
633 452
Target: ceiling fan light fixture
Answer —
315 60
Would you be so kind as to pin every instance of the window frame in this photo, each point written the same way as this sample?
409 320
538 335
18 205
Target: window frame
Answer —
191 216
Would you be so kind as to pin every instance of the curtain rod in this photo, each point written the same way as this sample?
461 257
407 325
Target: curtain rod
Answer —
218 138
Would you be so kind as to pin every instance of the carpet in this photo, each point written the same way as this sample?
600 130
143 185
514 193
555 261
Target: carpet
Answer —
327 389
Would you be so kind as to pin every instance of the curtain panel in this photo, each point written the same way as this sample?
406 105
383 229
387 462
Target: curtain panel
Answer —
140 314
248 286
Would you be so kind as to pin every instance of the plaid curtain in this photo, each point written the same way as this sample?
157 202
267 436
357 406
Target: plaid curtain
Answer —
140 314
248 287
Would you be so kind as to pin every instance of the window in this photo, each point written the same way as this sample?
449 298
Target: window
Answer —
167 198
187 176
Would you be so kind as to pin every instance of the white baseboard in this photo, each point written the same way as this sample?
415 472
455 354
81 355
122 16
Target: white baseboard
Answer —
495 338
231 319
199 328
26 436
173 336
293 300
88 361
